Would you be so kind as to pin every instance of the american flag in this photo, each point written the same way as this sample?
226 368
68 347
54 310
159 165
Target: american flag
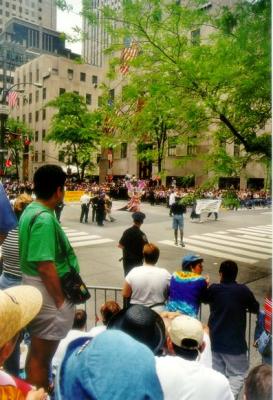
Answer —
12 99
127 55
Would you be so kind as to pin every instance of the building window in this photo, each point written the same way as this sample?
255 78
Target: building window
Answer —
61 156
83 76
99 101
44 114
76 92
36 156
123 150
191 148
111 96
29 118
70 74
61 91
24 118
37 116
43 155
43 134
30 98
44 93
88 98
36 137
236 148
172 146
195 37
37 96
37 75
30 77
94 80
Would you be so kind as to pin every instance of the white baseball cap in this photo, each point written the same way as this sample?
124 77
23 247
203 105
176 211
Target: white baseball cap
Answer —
185 327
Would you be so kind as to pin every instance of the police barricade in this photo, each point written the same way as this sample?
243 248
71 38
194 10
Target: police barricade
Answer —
73 196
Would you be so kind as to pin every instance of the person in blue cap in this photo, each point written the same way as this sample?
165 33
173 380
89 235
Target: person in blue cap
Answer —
112 366
188 286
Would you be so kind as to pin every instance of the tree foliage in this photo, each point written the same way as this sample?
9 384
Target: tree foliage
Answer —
222 76
75 129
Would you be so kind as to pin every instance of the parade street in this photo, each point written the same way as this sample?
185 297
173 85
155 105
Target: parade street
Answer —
243 236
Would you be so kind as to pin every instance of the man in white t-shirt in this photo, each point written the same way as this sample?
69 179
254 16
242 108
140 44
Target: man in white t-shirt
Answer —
181 375
148 284
85 203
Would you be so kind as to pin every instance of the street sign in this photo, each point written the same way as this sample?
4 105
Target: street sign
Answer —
4 109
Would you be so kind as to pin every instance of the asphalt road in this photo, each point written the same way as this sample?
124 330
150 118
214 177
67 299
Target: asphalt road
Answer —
244 236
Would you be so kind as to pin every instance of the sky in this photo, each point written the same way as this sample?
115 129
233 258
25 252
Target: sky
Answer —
66 21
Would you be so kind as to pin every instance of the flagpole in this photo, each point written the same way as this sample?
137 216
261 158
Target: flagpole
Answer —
4 111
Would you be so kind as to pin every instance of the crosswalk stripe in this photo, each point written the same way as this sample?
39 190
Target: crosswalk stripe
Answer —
214 253
251 239
77 234
258 231
257 239
69 230
91 242
83 238
242 230
230 249
245 244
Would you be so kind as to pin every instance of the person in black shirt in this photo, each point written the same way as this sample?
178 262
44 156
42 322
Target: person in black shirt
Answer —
177 211
229 302
132 243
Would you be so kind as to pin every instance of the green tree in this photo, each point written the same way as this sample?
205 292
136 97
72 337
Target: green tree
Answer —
18 137
226 72
75 129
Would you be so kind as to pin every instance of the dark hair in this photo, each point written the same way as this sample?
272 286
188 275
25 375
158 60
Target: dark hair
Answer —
258 384
151 253
47 179
109 309
229 271
187 354
80 319
190 266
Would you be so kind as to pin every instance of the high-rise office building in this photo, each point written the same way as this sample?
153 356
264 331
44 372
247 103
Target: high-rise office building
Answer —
40 12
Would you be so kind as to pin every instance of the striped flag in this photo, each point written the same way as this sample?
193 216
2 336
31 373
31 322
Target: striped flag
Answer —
12 99
127 55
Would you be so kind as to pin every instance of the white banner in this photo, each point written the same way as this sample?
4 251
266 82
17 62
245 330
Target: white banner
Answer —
207 205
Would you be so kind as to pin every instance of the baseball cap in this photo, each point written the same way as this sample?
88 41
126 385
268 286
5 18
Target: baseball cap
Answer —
189 259
18 306
185 327
113 365
138 216
143 324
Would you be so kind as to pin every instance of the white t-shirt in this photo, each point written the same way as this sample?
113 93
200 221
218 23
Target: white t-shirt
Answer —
148 284
172 198
181 379
85 199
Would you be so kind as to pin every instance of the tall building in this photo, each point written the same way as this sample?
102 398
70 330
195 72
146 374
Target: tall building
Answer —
56 75
40 12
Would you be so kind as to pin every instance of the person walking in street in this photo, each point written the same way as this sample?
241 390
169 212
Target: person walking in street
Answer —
44 254
177 211
132 243
100 211
85 203
229 302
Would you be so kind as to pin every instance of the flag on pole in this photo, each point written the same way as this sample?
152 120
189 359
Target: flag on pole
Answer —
127 55
12 99
8 220
8 163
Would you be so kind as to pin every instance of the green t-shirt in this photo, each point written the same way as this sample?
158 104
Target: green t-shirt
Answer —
41 241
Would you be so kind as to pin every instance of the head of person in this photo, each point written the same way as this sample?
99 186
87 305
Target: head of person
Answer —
151 253
228 271
138 217
48 181
192 263
108 309
185 337
80 319
21 202
113 365
258 384
18 306
143 324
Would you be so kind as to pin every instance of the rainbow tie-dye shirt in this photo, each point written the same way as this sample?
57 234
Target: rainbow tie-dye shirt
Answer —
186 290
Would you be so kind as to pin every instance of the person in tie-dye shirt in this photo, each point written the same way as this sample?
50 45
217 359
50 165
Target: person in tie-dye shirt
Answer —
187 286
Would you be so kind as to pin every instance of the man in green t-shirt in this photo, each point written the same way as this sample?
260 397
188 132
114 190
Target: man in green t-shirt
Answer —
45 254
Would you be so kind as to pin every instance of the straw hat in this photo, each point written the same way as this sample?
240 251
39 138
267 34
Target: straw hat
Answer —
18 306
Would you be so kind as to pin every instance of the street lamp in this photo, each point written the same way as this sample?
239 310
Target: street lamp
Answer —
4 111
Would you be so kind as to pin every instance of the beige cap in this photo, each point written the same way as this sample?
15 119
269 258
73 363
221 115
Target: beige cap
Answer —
185 327
18 306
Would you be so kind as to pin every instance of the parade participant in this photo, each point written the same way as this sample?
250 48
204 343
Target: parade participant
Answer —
85 203
229 302
132 243
100 210
177 211
58 210
43 262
